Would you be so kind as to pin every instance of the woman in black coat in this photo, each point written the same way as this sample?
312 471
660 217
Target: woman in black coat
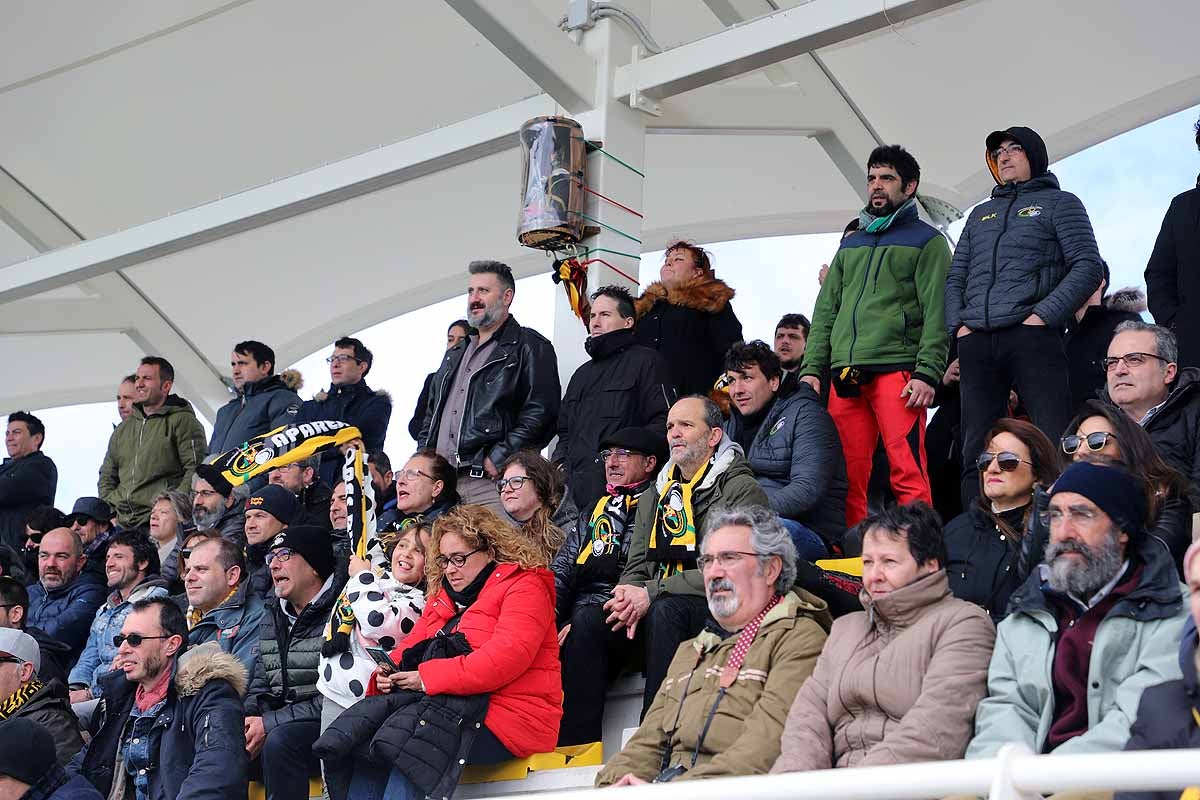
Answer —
983 543
686 316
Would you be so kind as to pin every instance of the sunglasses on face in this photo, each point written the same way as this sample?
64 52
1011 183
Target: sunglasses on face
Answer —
1007 462
1095 441
134 639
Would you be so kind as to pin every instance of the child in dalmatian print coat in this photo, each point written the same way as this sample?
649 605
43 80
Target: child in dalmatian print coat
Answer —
387 593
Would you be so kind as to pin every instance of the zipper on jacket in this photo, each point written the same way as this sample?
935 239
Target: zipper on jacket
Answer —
470 378
987 296
854 313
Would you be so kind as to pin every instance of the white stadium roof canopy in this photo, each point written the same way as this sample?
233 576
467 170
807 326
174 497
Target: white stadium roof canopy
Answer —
179 175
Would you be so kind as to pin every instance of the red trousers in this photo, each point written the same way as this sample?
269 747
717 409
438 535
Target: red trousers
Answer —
879 409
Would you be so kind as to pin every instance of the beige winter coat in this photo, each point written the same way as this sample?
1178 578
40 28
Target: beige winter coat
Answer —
897 683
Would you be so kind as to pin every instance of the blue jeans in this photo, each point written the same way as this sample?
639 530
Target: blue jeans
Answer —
809 545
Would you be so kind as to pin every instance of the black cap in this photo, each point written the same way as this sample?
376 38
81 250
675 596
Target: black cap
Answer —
26 750
638 440
310 541
1028 138
92 508
276 501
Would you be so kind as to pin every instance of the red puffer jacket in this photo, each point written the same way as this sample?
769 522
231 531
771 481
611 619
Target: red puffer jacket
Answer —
510 627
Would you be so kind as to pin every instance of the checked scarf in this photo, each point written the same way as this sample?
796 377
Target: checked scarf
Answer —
12 704
673 535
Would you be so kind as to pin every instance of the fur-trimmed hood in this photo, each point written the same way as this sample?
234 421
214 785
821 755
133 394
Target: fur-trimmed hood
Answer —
1131 299
704 293
205 663
292 379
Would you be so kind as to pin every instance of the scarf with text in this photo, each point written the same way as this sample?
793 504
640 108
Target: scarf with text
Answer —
12 704
360 524
673 535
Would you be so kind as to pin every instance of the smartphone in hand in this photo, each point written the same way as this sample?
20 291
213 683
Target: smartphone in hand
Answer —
381 657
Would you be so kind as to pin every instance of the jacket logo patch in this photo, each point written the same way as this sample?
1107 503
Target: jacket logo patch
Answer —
1030 211
988 216
293 409
228 633
777 427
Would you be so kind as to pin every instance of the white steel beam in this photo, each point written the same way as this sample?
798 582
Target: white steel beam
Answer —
531 42
324 186
763 42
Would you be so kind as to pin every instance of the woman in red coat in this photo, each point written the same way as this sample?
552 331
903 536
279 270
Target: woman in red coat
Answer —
491 584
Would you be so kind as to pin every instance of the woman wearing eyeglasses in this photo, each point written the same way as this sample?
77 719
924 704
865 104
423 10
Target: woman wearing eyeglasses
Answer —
983 544
1102 432
531 492
426 488
492 595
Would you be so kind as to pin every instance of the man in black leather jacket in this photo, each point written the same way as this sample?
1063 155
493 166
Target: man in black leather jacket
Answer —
495 393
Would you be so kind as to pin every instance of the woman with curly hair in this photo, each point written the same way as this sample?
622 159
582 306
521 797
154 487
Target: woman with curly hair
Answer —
530 491
491 593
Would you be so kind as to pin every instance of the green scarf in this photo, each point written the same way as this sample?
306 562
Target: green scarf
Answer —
872 224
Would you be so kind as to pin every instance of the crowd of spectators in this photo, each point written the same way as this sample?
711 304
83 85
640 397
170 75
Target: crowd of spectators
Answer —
757 530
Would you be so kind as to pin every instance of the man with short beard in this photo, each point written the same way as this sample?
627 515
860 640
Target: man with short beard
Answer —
749 662
495 393
661 589
878 330
172 723
64 600
303 479
224 513
268 512
1097 623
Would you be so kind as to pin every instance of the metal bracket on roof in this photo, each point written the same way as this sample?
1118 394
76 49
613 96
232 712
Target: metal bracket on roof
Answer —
637 100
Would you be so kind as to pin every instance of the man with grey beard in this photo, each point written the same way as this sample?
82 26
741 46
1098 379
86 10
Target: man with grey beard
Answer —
747 664
495 393
1097 623
211 509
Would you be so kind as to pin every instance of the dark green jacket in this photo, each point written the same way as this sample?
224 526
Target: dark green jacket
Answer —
729 483
882 304
148 455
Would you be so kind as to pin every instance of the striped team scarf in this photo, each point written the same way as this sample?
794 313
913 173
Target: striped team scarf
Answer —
12 704
360 524
673 535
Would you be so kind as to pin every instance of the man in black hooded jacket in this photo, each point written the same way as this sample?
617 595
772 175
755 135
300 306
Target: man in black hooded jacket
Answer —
1025 263
623 385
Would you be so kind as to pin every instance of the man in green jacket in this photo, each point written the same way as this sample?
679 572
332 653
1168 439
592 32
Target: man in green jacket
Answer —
155 449
661 589
878 330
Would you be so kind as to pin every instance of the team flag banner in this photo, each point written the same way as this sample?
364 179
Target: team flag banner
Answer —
276 448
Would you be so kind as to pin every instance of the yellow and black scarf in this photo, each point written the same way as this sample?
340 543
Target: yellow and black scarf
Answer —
360 522
12 704
607 524
673 536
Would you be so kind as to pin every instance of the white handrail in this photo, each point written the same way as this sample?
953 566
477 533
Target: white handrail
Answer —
1014 773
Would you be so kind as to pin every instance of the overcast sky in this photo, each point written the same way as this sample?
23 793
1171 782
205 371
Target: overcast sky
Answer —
1125 183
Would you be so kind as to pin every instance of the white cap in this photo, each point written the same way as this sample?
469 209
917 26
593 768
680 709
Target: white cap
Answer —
20 644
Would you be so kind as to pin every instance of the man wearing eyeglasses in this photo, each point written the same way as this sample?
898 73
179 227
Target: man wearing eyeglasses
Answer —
224 513
721 710
349 399
1025 263
283 706
1096 623
1145 381
27 694
171 724
623 384
303 479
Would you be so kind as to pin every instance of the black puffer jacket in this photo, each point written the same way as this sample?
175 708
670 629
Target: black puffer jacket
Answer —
1166 718
512 400
1030 249
692 326
427 736
356 404
982 561
284 685
797 458
1175 427
1172 280
623 385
